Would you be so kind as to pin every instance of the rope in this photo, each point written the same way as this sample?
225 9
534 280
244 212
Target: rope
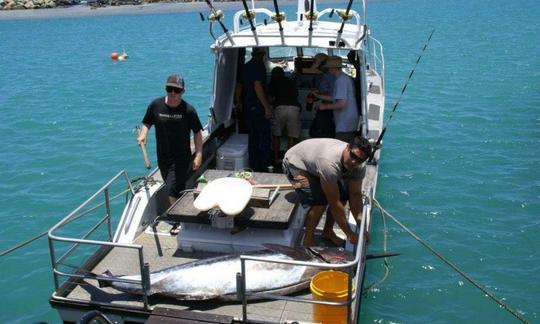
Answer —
454 267
385 263
23 244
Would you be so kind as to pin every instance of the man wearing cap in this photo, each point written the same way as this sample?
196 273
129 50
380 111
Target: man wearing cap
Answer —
258 111
328 172
342 102
174 119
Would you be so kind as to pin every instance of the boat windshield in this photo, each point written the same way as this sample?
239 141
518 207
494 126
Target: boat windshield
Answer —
281 53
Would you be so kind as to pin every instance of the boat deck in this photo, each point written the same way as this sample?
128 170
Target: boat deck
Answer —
161 251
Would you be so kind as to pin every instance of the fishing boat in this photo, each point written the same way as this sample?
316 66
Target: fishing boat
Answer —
112 255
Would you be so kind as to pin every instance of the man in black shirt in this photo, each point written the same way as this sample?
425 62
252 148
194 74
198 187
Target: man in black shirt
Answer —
173 118
258 111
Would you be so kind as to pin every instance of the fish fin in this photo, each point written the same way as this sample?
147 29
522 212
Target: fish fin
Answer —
105 283
296 253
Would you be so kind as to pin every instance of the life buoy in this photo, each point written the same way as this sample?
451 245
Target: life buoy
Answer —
119 57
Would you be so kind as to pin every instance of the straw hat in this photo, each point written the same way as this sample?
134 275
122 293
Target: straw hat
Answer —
333 62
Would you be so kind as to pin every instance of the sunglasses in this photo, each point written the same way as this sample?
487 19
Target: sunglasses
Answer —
173 89
355 157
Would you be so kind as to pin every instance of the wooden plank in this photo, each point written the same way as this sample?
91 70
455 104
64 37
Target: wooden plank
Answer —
259 197
170 315
277 216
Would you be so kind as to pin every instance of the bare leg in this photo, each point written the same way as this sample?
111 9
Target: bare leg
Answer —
312 219
328 230
172 200
291 142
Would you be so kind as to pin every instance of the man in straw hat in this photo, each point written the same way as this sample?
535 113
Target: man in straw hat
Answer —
174 118
342 102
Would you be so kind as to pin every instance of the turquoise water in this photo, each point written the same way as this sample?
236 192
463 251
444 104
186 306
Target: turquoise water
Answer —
459 164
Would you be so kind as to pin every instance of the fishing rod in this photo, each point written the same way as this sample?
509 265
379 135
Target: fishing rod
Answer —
279 18
250 17
218 15
379 140
344 17
311 18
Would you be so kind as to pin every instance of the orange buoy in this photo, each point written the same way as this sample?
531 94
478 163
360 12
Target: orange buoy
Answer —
114 56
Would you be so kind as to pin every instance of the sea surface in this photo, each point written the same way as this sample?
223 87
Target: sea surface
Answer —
460 162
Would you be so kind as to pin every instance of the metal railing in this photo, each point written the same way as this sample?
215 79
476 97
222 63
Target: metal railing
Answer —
375 56
80 273
353 296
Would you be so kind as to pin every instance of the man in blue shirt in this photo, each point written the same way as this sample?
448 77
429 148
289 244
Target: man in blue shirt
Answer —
342 102
258 111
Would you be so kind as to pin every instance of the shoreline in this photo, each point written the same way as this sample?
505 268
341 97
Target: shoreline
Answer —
77 11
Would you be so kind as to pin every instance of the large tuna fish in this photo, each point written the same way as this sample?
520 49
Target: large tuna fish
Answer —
215 278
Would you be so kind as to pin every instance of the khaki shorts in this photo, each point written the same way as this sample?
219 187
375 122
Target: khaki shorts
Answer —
286 121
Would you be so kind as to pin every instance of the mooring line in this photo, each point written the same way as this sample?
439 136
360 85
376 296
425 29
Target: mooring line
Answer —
385 262
25 243
454 267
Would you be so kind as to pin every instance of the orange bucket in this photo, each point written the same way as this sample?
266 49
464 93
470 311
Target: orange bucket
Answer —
329 286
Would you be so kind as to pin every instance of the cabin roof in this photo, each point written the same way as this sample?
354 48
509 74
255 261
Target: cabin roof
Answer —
324 34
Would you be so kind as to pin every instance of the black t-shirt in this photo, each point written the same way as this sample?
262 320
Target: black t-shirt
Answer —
284 91
173 125
254 70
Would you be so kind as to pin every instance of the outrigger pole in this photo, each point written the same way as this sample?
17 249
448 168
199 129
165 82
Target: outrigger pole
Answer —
344 17
379 140
218 15
250 17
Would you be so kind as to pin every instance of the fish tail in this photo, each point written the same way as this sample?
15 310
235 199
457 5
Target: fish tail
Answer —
105 283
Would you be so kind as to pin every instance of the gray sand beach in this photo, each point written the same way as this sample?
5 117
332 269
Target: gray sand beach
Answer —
144 9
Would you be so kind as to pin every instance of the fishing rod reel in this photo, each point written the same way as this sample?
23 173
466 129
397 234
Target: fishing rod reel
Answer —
375 145
249 15
311 16
279 17
216 16
343 14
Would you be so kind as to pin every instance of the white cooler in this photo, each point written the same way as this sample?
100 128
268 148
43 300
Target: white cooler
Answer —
233 155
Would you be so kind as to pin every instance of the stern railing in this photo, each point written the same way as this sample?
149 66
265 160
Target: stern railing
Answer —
81 272
356 266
